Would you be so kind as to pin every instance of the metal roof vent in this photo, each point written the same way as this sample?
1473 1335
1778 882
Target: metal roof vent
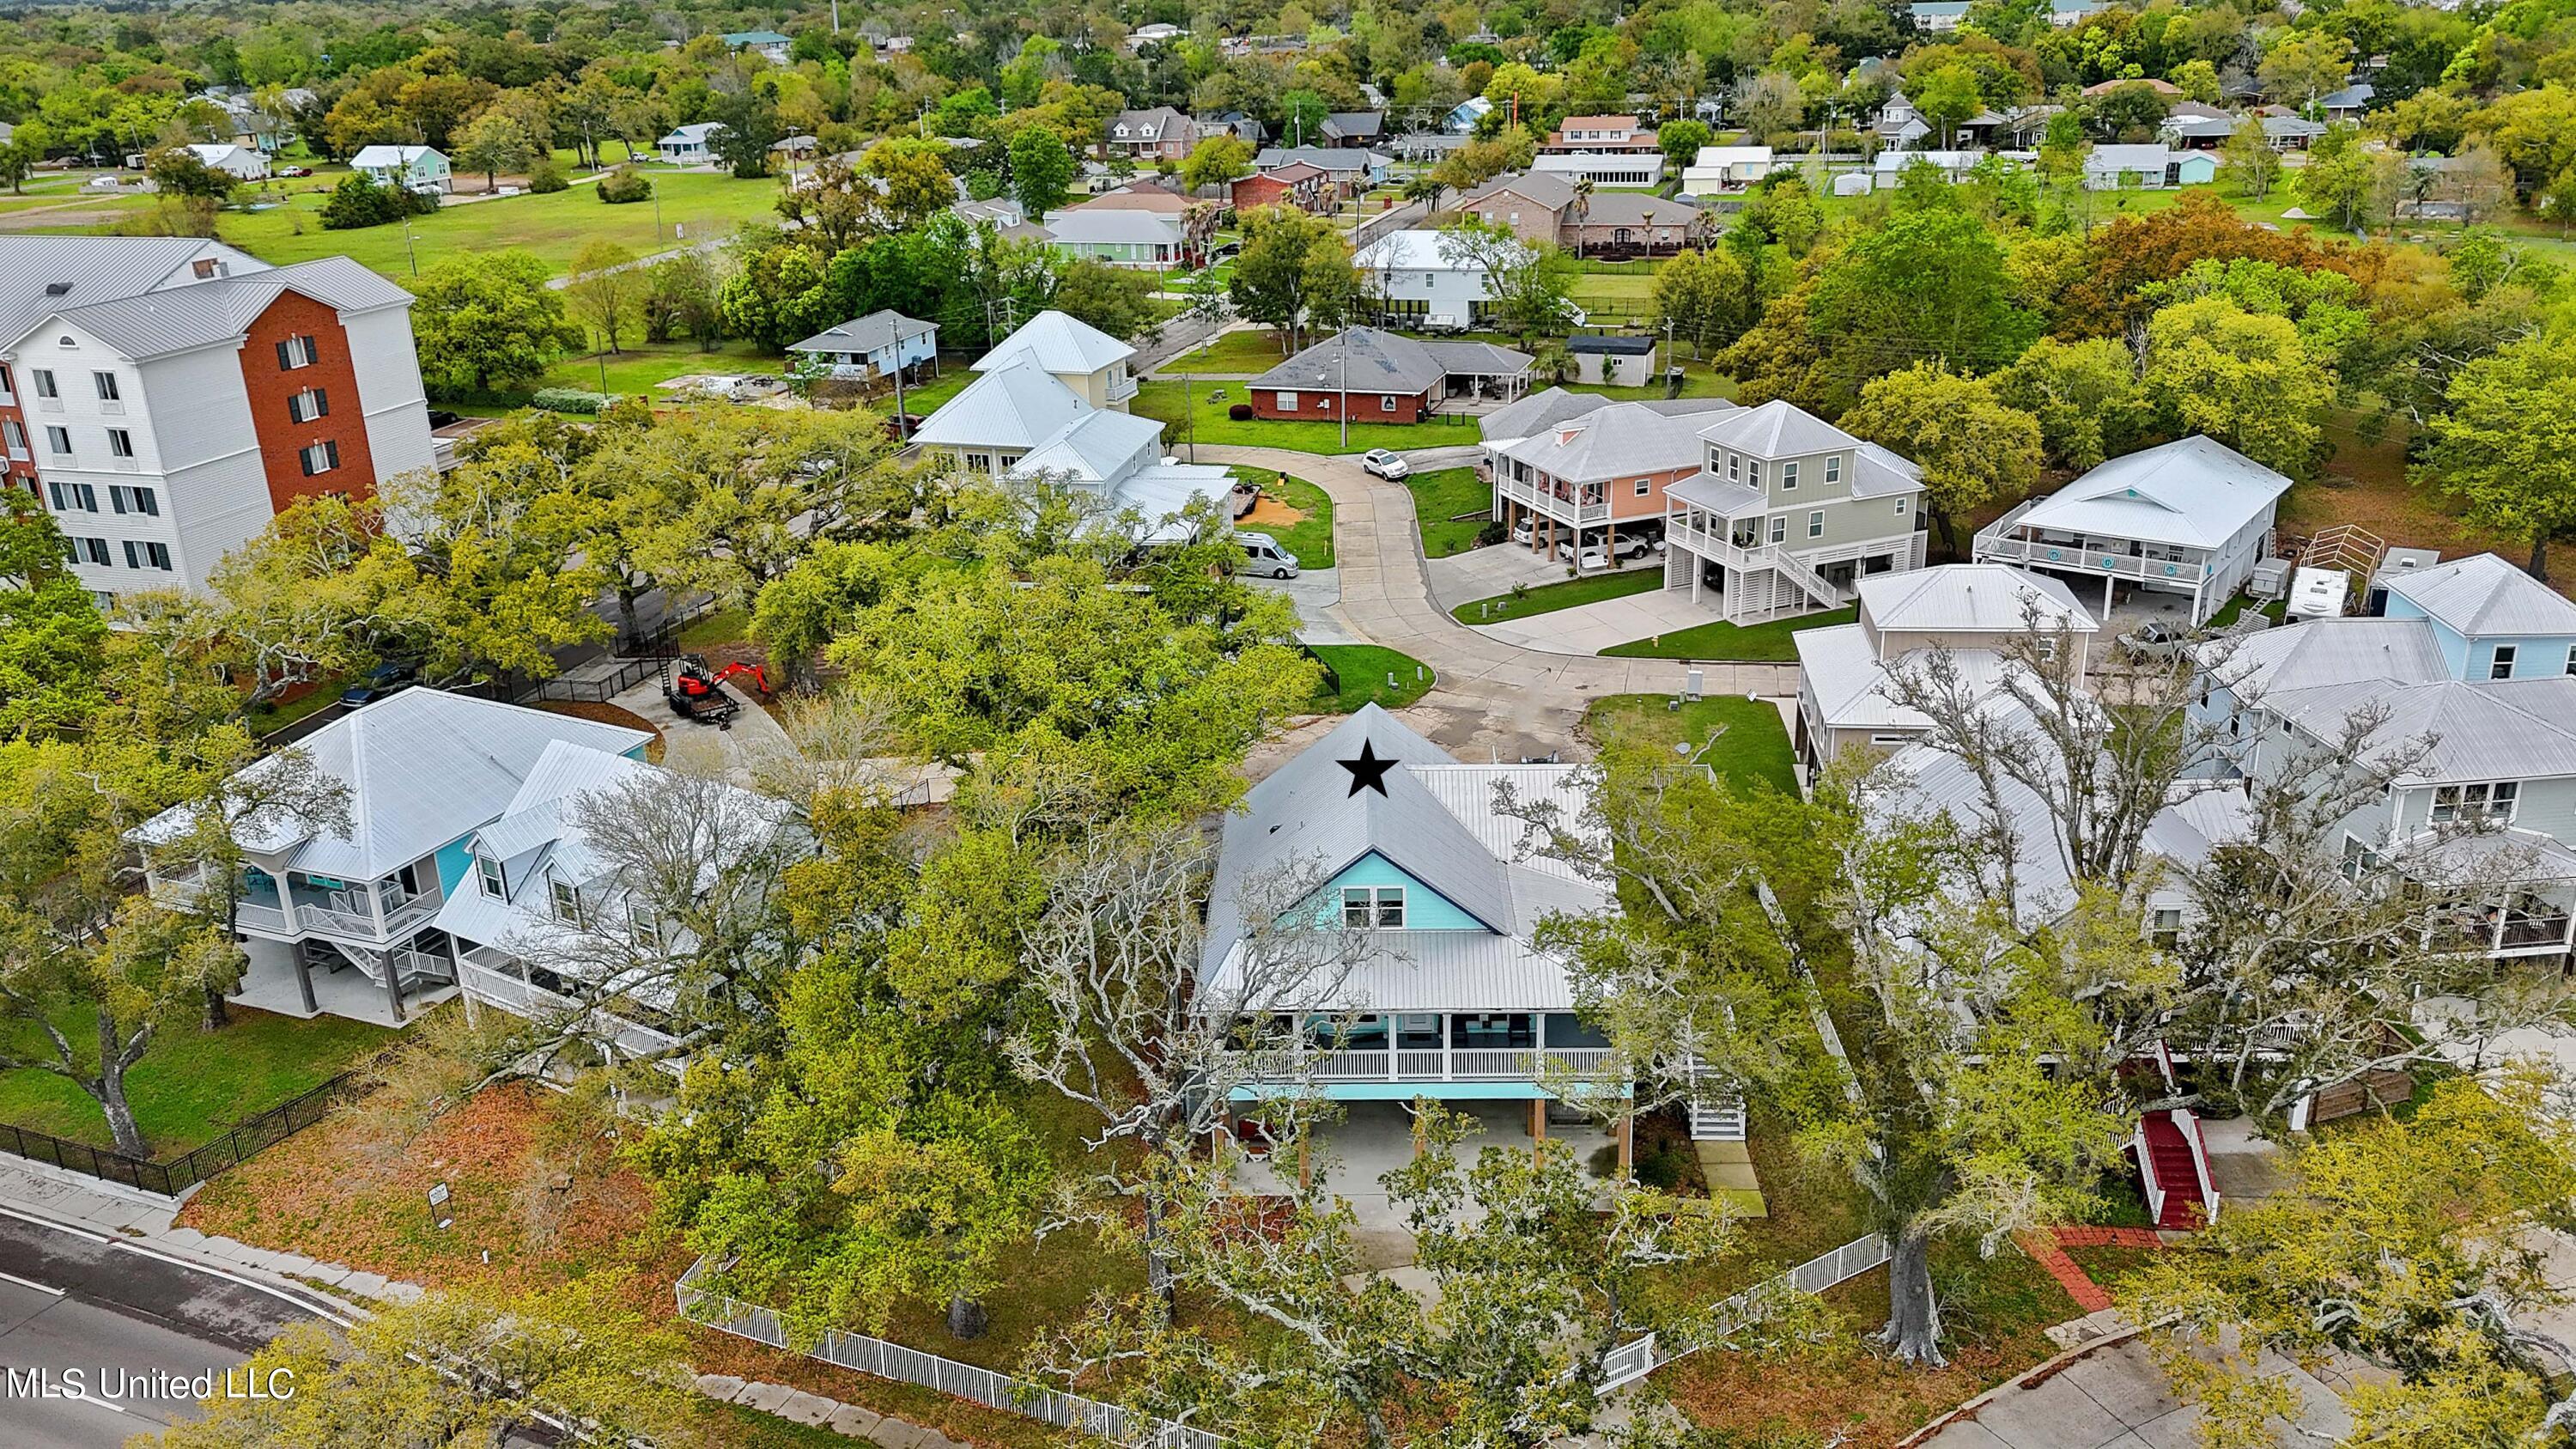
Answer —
56 289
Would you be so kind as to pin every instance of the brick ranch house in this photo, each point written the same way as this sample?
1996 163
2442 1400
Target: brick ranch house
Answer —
1392 379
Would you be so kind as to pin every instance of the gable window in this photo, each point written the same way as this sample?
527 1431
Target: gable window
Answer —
1834 468
297 352
2494 801
567 901
309 404
2500 664
487 871
1788 476
1366 906
2164 927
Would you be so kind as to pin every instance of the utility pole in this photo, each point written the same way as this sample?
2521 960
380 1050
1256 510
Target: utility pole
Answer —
1346 385
902 419
408 254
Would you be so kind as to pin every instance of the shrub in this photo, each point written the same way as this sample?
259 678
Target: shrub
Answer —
1240 412
545 176
1665 1169
1491 534
359 200
572 400
625 184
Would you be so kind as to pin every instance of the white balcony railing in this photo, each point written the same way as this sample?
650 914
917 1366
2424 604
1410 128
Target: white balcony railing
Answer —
2108 557
1538 496
520 998
1122 386
1426 1064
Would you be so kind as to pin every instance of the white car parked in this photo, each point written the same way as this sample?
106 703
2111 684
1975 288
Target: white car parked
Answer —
1386 463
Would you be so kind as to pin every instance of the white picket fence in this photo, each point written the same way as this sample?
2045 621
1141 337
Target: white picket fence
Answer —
1625 1364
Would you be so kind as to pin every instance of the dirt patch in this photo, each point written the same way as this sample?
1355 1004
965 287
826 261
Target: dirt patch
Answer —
1270 512
611 715
2365 484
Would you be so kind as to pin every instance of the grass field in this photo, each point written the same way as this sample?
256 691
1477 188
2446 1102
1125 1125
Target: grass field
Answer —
1363 669
1310 538
1731 642
1162 401
1743 740
641 366
694 206
1568 594
1252 352
191 1085
1440 495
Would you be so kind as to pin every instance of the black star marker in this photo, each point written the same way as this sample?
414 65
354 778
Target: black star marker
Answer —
1368 772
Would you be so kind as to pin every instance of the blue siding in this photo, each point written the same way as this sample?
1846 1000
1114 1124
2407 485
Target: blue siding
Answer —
1424 908
2535 656
455 863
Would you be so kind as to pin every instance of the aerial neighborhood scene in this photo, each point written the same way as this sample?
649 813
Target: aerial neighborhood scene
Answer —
1705 724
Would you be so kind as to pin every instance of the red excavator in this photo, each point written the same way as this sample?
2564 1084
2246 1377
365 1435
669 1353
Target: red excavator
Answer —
696 693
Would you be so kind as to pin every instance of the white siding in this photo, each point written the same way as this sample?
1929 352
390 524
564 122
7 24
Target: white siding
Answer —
389 391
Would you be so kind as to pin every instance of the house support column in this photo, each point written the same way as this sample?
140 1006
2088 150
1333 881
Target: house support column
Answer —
473 1009
393 985
1627 1142
1538 1119
303 976
1305 1166
2109 583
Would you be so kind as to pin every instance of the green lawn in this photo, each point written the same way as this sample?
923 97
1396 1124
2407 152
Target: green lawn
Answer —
1363 669
1731 642
1254 351
1548 598
2227 612
1697 381
1624 288
1743 740
191 1085
640 366
694 206
1438 497
1309 538
1162 401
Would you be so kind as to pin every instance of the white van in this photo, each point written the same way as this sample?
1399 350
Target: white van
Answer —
1265 557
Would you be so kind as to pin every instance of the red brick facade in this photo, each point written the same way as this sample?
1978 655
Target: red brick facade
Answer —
272 387
1366 407
18 472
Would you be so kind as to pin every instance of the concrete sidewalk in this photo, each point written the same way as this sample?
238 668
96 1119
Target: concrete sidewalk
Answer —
2115 1397
1591 628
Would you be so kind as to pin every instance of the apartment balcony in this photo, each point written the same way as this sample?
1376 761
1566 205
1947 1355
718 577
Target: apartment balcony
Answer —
1122 386
1545 500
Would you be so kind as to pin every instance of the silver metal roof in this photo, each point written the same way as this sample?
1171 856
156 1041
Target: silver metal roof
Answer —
1058 343
1778 429
1611 442
2482 594
879 329
1968 598
2194 491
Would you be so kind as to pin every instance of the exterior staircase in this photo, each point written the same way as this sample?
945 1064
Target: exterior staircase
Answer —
2176 1192
1797 571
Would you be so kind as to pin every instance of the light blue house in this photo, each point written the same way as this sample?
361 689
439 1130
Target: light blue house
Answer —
1439 989
343 920
2467 681
874 348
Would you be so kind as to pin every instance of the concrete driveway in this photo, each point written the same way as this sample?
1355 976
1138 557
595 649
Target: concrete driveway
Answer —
1591 628
1317 593
1495 699
1488 572
2115 1398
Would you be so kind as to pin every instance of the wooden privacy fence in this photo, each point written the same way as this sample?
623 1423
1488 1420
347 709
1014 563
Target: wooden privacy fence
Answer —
1625 1364
179 1174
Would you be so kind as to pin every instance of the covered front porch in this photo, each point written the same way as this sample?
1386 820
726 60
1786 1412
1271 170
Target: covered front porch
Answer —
2143 563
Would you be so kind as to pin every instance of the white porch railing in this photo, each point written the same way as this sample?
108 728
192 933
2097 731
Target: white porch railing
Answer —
1423 1064
1531 494
521 998
2108 557
1122 386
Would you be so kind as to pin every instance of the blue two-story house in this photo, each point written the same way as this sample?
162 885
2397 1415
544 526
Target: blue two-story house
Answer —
1423 879
2471 669
344 920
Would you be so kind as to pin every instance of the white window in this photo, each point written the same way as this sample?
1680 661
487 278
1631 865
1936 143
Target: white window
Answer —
2164 927
321 457
1816 524
1645 486
2493 801
73 496
488 872
2571 658
126 498
120 443
1734 467
1287 402
1834 468
45 383
1788 477
644 927
105 382
147 556
88 550
567 901
2500 664
1753 471
16 437
1904 506
2358 859
1779 527
297 352
59 440
309 404
1366 906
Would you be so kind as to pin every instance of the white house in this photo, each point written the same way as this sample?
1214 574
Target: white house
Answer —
1936 17
1890 166
241 163
873 348
1120 236
1603 168
1095 365
1787 514
2108 168
414 168
690 145
1725 168
2191 517
345 921
1421 285
167 396
769 45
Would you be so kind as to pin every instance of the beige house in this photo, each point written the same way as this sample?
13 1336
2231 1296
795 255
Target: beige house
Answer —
1079 355
1971 610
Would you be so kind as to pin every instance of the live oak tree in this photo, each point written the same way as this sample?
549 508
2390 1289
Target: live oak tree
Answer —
2501 446
488 322
1294 273
53 640
2244 378
2084 395
1970 446
2416 1245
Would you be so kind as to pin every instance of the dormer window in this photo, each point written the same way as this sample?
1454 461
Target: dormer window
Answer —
644 927
1834 469
488 872
567 902
1379 906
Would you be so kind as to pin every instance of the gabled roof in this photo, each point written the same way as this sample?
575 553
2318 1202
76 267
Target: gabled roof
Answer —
1969 598
1384 362
1093 448
1778 429
1634 208
1551 405
1554 193
879 329
2479 731
1017 405
1115 225
1057 343
1351 125
1329 158
1611 442
423 767
2128 158
1292 173
2482 594
1136 198
1840 672
1156 124
2337 651
45 274
2194 491
1413 249
218 310
401 157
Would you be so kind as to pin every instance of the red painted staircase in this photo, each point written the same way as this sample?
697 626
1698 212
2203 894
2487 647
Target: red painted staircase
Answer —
2168 1152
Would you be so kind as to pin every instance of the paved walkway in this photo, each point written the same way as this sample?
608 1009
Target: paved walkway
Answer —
2113 1397
703 749
1494 699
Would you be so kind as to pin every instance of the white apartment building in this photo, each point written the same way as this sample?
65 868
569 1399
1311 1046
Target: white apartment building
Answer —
167 396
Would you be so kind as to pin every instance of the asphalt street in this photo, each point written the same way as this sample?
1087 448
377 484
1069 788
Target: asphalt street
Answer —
92 1330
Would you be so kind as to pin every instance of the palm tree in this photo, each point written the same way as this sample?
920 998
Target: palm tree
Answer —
1582 208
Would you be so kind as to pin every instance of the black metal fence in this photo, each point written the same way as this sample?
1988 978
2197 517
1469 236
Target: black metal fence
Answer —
171 1178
